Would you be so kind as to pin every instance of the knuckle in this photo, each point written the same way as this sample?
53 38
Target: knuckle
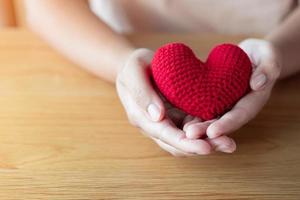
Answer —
121 81
273 70
230 120
138 95
133 119
244 117
275 67
140 98
276 71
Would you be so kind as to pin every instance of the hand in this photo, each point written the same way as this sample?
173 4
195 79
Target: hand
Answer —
266 69
170 128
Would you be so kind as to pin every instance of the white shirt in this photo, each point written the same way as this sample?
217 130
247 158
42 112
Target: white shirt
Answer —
222 16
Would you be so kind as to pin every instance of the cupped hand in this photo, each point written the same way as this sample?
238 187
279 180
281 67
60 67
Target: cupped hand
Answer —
266 63
171 129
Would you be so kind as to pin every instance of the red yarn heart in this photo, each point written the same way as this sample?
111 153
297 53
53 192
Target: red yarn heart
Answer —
202 89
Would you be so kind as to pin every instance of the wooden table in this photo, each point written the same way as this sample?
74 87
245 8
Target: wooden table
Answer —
64 135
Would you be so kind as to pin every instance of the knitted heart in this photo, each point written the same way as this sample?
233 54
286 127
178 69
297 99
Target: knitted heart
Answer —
202 89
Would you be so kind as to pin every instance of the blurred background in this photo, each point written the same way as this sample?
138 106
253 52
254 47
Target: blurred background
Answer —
12 13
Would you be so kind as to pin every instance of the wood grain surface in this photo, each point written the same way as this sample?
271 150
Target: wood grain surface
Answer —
64 135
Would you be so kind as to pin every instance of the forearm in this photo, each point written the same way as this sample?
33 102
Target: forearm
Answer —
76 32
286 38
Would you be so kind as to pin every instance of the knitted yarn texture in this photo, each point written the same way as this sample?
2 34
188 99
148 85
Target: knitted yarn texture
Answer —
202 89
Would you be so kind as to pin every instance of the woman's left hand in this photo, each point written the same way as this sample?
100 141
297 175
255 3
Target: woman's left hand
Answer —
266 64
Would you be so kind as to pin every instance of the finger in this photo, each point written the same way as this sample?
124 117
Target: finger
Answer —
258 80
189 121
175 152
135 77
265 64
240 114
265 74
168 133
197 130
223 144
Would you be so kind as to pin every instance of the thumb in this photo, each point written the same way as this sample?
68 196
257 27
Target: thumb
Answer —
148 100
137 80
258 80
263 58
266 73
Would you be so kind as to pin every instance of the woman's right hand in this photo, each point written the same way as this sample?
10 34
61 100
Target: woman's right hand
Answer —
170 128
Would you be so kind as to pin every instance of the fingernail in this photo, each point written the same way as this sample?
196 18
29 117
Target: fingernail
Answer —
226 148
154 112
259 81
213 132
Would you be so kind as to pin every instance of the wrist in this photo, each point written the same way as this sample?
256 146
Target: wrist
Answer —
124 55
143 54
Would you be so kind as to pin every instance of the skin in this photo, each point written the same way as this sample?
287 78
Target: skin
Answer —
87 41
